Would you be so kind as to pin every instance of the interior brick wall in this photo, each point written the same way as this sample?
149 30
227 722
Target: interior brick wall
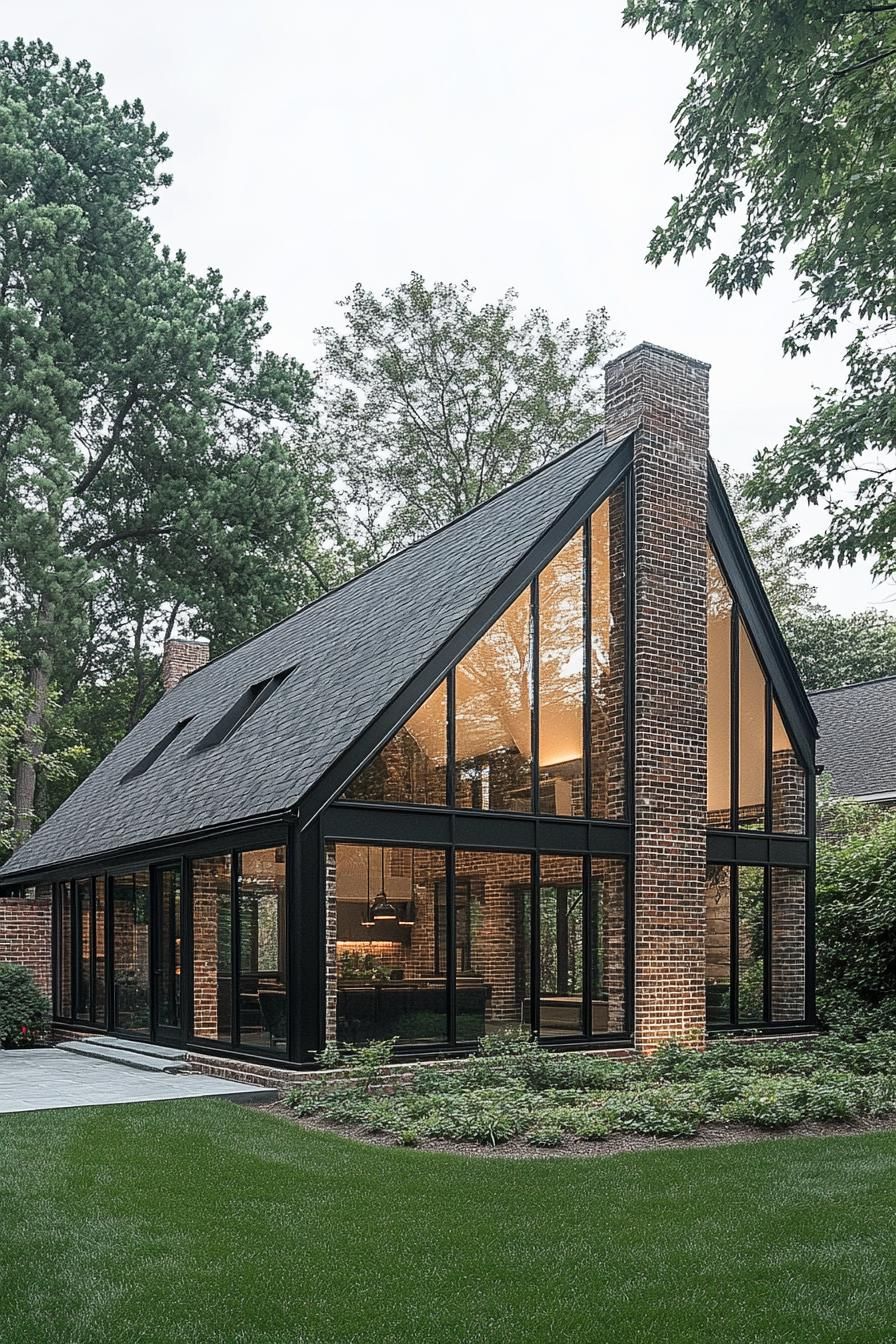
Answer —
663 398
26 932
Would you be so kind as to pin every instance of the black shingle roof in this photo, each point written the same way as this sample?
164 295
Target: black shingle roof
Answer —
352 650
857 737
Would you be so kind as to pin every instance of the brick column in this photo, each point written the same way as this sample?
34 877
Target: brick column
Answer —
663 398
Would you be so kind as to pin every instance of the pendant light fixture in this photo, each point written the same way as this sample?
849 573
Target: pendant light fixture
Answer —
382 909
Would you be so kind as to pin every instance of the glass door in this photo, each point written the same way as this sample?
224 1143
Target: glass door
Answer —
167 924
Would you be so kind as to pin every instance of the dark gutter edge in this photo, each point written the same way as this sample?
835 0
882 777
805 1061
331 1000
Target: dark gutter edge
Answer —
115 858
598 487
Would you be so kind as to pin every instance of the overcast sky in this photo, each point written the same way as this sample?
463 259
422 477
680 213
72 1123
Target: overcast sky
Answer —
506 142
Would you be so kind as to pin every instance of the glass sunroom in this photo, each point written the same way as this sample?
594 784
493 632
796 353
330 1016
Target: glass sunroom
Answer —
417 809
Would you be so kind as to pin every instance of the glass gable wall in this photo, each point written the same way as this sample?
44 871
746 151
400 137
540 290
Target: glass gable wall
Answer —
536 709
757 919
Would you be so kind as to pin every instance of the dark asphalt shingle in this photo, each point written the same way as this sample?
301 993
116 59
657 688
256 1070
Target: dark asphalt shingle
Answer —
857 737
352 651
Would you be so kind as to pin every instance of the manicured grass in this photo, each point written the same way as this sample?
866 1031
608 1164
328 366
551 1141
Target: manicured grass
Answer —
205 1222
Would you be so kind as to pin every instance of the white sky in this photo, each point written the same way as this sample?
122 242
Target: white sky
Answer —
506 142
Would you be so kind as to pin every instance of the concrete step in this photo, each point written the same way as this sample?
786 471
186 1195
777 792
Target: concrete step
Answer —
136 1047
131 1059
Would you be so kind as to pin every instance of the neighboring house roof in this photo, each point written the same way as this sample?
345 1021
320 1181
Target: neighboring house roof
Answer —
857 738
351 652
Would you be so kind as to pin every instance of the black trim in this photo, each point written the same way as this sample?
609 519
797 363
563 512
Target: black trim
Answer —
746 586
373 738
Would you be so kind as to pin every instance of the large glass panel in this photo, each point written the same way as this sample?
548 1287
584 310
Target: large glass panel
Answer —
787 894
212 961
788 781
261 891
493 985
130 927
561 939
168 1009
751 944
64 1007
718 696
718 945
561 690
607 639
391 960
83 930
412 766
99 1005
608 945
493 716
751 739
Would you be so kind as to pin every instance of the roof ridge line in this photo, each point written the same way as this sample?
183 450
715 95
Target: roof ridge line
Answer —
483 503
851 685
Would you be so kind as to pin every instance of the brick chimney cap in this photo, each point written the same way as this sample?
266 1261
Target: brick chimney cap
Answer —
648 347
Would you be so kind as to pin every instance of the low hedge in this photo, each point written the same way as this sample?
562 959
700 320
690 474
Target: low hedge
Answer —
511 1089
24 1010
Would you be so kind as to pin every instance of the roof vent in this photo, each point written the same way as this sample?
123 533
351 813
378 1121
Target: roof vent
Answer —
155 752
243 709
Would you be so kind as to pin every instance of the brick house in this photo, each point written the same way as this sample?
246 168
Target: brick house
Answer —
551 766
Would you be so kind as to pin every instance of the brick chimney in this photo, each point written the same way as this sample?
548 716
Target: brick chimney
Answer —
663 398
180 657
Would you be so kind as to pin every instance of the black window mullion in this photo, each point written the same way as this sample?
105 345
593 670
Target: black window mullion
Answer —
451 732
586 684
535 943
587 948
108 932
766 946
534 692
450 941
235 966
735 716
92 1013
734 991
768 822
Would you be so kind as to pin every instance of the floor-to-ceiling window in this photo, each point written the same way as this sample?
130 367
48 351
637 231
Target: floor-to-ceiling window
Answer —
757 899
239 974
130 951
79 978
436 946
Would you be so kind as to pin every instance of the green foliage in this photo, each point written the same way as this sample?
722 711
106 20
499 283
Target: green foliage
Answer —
833 650
856 905
786 130
155 473
512 1090
24 1011
430 403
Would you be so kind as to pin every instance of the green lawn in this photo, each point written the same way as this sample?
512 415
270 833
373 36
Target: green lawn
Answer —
204 1222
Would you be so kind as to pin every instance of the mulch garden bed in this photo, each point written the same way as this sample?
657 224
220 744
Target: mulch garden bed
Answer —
708 1136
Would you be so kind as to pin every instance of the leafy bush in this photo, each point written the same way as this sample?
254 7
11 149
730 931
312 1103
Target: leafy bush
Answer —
514 1090
24 1011
856 905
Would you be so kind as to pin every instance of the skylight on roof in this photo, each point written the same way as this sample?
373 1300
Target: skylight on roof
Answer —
155 752
243 709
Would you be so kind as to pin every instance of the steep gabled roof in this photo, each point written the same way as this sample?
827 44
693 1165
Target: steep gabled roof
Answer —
351 653
857 738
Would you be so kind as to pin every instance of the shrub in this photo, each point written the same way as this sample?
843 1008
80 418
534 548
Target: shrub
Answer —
771 1104
24 1011
856 907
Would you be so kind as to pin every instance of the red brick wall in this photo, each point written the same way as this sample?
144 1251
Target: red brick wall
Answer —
26 933
663 397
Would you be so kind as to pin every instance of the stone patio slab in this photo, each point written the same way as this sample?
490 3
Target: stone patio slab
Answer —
50 1079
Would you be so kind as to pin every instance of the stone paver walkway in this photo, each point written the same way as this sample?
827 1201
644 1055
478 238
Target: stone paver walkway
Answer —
46 1079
